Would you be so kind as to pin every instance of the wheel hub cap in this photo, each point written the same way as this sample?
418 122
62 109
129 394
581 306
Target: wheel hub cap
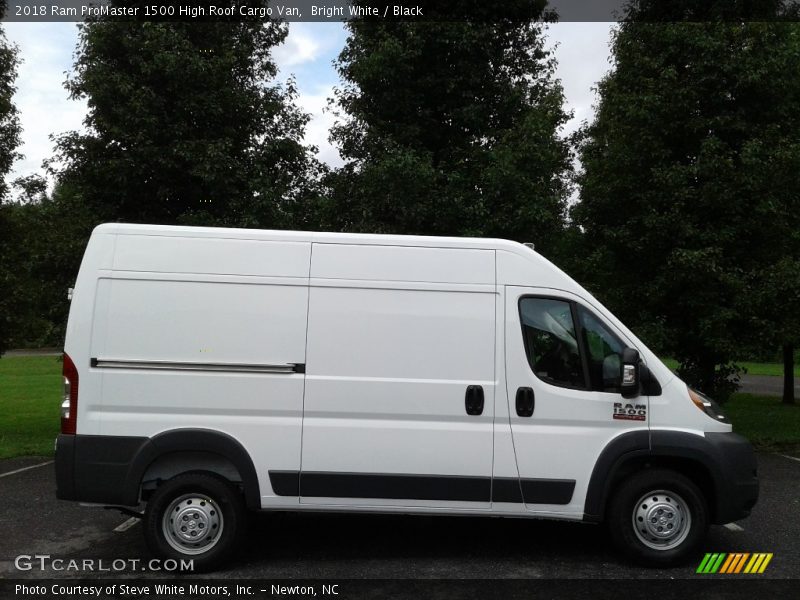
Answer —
661 520
192 524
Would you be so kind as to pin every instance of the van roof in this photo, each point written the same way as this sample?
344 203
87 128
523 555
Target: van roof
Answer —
314 236
524 266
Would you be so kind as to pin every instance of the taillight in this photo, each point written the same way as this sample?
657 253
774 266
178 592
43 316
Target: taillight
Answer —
69 403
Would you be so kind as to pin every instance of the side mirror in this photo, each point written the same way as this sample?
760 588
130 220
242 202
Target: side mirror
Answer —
629 375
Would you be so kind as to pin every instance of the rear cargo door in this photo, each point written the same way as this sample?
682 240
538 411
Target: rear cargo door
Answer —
205 333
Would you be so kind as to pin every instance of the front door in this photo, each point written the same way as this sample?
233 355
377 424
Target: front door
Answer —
562 373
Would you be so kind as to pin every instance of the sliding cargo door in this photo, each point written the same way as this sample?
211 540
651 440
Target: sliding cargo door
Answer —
400 383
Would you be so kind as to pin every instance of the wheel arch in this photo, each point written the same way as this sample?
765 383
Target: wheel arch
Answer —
194 449
686 453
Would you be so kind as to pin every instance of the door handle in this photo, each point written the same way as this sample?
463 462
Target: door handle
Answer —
473 400
526 401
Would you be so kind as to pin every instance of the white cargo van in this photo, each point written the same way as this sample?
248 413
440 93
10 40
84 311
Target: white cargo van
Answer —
211 371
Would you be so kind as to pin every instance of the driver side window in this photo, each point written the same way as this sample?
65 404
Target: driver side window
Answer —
559 335
551 344
604 353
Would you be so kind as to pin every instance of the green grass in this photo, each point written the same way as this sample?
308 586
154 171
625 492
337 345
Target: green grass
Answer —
30 397
30 401
768 424
771 369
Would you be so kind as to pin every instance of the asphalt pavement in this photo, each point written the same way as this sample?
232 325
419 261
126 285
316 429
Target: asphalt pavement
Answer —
325 546
766 385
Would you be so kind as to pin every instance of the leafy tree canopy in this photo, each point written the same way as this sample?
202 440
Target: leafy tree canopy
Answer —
710 10
451 127
689 190
186 124
10 130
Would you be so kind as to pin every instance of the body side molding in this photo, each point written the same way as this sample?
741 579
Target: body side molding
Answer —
169 365
420 487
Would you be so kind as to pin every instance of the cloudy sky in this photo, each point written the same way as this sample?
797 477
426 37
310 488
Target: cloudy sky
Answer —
46 51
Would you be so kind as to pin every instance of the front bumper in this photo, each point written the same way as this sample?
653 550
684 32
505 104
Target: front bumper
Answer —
737 481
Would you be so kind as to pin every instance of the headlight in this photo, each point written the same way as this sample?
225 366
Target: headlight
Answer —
707 405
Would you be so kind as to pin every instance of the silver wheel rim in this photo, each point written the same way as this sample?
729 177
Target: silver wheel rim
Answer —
192 524
661 520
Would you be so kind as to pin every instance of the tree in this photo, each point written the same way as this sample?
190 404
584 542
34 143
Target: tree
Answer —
451 126
777 316
51 231
185 124
788 373
9 141
689 188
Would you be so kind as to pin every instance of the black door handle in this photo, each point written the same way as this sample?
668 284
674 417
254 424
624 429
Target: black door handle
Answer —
473 400
526 402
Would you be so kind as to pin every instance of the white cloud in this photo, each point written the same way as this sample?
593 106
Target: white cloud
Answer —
300 47
318 128
307 54
308 43
45 50
583 53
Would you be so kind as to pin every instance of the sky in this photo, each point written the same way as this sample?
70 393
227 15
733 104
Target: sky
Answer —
46 51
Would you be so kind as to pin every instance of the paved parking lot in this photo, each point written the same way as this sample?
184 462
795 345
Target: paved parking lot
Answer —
286 546
766 385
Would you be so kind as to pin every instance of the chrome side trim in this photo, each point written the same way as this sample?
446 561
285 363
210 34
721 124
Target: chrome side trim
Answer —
164 365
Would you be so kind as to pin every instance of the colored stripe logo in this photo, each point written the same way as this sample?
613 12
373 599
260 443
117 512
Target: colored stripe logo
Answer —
735 562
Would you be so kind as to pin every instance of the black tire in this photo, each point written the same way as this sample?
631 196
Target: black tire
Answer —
222 510
667 489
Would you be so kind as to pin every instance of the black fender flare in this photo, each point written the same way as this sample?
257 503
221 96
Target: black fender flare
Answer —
617 451
727 458
195 440
729 461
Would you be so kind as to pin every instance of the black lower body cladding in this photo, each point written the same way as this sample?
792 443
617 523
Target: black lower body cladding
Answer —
108 469
65 467
403 486
730 461
97 468
738 493
726 460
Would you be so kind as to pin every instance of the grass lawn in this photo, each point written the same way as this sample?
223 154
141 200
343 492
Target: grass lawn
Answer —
767 423
30 405
31 387
773 369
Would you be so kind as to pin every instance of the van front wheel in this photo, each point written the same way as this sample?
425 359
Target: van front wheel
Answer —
197 517
658 517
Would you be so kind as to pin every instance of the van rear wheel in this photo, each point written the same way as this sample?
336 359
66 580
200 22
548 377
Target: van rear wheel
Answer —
195 516
658 517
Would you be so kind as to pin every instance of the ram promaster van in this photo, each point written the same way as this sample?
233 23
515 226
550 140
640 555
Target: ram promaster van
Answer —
212 371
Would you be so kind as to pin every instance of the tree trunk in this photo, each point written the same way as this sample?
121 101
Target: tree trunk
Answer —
788 374
708 371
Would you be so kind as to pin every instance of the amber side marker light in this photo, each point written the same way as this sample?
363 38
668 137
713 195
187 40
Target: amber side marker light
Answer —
707 405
